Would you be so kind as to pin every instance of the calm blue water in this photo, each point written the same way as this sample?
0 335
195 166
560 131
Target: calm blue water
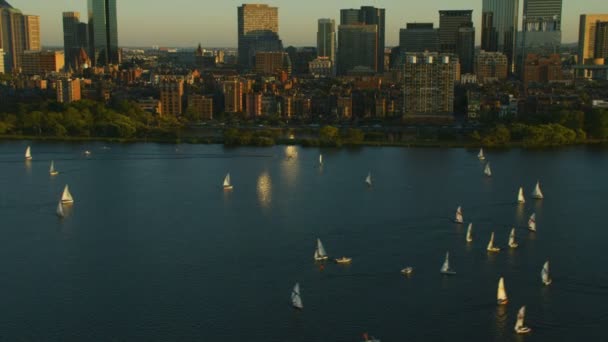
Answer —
154 250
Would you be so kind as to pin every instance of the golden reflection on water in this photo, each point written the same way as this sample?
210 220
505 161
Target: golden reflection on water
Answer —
264 188
520 212
502 319
28 166
290 167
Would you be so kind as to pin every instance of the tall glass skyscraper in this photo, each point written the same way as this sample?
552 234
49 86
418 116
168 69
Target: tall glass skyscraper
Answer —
542 25
103 32
368 15
326 39
258 30
499 28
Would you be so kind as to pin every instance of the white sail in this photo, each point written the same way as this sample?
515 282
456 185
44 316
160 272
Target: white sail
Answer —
296 299
227 181
28 153
60 209
368 179
545 274
320 159
480 154
520 328
520 196
487 171
470 233
459 218
537 193
501 295
52 170
512 242
445 268
491 243
66 197
532 222
320 253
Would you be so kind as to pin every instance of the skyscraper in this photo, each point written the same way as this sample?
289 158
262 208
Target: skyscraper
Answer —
457 35
75 37
103 32
368 15
326 39
419 37
258 30
357 47
592 41
18 33
542 25
499 28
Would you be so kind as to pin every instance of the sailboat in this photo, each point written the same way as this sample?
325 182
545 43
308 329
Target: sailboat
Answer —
487 170
491 247
545 274
59 211
296 300
445 268
532 222
52 170
519 326
368 179
480 155
28 153
537 193
470 233
520 196
501 296
367 338
320 160
66 197
227 183
320 254
458 218
512 242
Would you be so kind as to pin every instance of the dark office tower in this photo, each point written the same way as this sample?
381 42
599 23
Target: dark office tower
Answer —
465 49
499 28
75 37
419 37
457 36
326 39
103 32
357 46
258 30
368 15
542 22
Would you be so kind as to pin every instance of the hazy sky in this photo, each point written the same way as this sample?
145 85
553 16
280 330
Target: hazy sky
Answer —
179 23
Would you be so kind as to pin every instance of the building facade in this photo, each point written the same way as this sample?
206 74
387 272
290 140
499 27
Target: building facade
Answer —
172 96
42 62
272 63
592 41
68 90
542 70
368 15
233 95
357 46
429 80
103 32
457 36
419 37
491 66
326 39
258 30
542 26
75 38
499 28
201 105
18 33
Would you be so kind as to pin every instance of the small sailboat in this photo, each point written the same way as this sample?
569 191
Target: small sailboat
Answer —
87 153
368 179
512 242
367 338
296 299
320 160
487 170
320 254
445 268
344 261
227 183
407 271
491 247
532 222
501 296
59 210
52 170
480 155
545 274
459 218
520 196
470 233
66 196
520 328
537 193
28 153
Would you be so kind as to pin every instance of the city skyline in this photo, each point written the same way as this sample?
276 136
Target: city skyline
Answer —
297 21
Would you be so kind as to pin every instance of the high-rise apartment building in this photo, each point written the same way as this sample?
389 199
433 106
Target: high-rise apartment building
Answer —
429 80
326 39
68 90
75 38
18 33
233 95
357 47
172 96
457 36
201 105
491 66
271 63
592 41
542 26
368 15
499 28
258 30
103 32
